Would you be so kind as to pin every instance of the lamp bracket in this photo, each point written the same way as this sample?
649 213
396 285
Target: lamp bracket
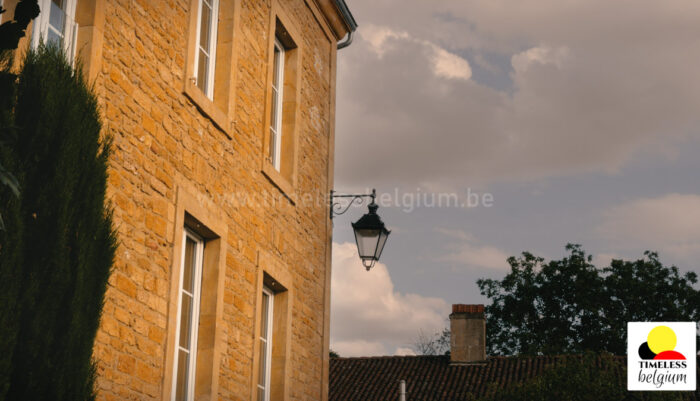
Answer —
340 203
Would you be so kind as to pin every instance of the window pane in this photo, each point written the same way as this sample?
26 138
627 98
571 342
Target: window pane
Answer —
202 71
274 126
54 38
188 274
189 311
274 114
273 145
263 364
185 321
261 394
205 26
276 106
265 308
276 66
56 15
182 368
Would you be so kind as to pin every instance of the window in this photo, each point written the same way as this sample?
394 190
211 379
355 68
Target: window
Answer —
265 360
276 105
188 317
282 104
205 57
210 59
56 25
195 338
273 316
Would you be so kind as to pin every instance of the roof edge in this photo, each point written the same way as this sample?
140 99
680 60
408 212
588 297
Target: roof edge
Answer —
488 358
346 14
337 15
380 357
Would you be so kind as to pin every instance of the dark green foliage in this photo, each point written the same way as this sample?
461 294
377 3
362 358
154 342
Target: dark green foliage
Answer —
66 242
570 306
580 378
10 234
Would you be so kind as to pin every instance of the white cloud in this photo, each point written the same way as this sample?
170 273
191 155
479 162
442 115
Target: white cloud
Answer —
404 351
449 65
358 348
541 55
377 37
669 224
444 64
368 316
466 251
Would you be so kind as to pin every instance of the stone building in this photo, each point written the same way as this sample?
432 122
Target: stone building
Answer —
222 114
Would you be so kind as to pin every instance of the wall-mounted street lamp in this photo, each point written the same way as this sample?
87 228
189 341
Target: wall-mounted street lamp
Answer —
370 232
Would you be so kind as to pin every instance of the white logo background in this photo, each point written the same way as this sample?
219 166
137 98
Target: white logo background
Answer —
637 333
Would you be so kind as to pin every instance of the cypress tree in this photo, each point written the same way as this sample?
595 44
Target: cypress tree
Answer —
10 227
67 243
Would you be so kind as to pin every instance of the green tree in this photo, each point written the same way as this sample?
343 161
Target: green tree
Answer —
587 377
61 255
10 33
570 306
10 228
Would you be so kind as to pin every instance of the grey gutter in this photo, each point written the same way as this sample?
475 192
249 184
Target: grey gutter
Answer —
349 20
347 41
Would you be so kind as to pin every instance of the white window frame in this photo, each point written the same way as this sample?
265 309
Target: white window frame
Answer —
196 296
276 110
267 342
70 29
213 30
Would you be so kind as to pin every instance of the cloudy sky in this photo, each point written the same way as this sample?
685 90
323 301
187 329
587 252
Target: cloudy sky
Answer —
550 121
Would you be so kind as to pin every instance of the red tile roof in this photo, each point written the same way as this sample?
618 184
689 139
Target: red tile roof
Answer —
432 378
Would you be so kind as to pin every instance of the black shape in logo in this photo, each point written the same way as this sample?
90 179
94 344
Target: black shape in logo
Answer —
645 352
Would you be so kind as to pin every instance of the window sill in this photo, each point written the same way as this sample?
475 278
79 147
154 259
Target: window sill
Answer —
279 181
208 108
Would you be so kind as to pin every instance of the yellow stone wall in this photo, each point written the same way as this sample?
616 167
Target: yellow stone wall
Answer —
163 144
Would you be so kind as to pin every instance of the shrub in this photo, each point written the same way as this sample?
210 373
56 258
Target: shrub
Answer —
61 256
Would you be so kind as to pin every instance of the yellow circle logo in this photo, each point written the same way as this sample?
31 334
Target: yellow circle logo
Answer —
661 338
660 345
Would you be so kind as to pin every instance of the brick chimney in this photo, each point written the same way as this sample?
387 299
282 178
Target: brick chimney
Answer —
467 333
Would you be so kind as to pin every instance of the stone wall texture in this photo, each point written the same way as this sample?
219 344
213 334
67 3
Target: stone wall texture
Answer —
163 143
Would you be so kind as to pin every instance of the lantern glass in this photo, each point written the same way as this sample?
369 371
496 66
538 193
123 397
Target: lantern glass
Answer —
366 242
370 235
383 235
370 243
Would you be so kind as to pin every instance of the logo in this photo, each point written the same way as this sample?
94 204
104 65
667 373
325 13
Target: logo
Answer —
660 345
661 356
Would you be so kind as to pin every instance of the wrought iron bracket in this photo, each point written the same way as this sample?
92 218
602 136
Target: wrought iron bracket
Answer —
340 203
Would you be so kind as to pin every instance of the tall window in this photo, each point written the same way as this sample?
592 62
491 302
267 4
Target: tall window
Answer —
205 57
276 109
265 345
56 25
188 317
